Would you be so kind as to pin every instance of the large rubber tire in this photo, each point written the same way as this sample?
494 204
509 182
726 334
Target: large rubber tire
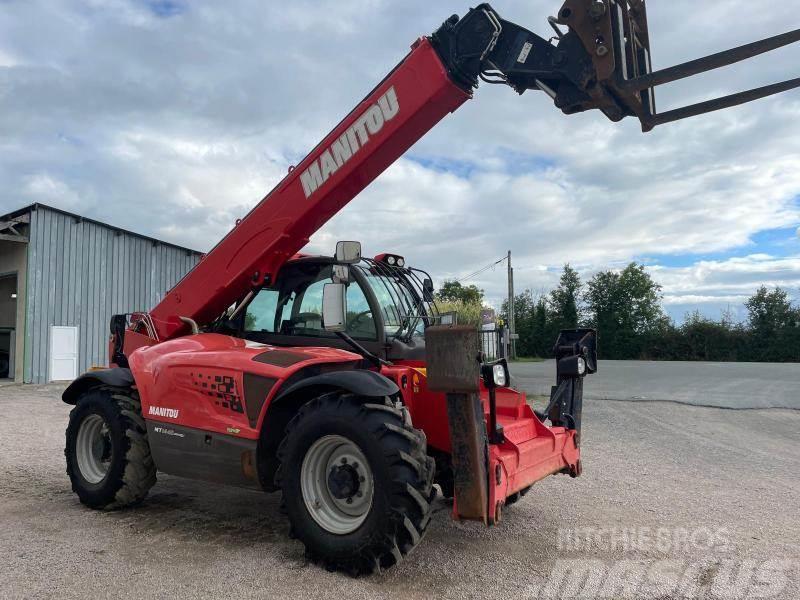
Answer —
130 469
402 474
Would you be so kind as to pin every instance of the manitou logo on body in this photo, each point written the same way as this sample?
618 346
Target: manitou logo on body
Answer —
342 150
161 411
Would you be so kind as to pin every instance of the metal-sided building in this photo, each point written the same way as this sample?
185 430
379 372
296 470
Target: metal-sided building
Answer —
62 277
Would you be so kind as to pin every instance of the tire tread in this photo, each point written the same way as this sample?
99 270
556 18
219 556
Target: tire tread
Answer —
410 489
139 473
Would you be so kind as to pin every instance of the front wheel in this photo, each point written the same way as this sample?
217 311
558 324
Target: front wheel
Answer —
356 482
108 457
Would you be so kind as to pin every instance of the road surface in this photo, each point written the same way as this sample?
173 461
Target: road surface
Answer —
724 385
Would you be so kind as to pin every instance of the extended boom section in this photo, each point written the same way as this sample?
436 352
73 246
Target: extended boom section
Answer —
407 104
601 61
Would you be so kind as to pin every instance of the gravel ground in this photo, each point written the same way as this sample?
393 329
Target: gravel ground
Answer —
700 473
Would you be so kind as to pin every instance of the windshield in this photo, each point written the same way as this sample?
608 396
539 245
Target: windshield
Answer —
399 295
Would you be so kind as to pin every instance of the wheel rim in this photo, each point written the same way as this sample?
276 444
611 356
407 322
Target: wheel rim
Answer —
337 484
93 449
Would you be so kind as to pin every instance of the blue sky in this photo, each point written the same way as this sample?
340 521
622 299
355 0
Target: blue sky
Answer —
165 8
174 118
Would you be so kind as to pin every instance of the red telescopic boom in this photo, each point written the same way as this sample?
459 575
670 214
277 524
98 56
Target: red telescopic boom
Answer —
601 62
406 105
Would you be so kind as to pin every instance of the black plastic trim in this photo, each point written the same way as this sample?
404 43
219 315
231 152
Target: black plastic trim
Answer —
363 383
117 377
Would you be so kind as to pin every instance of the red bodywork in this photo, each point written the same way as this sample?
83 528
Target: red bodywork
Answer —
198 382
174 371
201 377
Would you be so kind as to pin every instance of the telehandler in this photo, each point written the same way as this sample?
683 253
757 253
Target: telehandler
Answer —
308 375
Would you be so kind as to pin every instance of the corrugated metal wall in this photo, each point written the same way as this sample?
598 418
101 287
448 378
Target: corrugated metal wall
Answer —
80 274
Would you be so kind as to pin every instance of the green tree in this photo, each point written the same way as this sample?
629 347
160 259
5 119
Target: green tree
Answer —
543 331
524 305
534 323
705 339
773 325
626 309
564 300
770 311
453 291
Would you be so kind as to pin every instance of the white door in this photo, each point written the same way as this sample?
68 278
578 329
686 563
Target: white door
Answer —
63 353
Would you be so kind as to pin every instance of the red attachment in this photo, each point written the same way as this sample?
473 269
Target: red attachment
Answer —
530 452
406 105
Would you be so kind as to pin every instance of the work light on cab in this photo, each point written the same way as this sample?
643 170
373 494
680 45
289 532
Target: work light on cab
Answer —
391 259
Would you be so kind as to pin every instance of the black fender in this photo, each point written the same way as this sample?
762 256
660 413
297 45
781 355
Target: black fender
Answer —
368 384
116 377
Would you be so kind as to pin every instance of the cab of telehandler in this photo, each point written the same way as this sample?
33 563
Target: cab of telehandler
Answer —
388 306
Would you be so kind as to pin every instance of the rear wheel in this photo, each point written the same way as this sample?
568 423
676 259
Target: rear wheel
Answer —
108 457
356 482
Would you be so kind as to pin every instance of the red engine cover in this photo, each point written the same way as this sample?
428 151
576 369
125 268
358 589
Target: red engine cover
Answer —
198 381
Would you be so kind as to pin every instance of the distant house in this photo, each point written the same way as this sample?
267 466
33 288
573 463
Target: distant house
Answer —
62 277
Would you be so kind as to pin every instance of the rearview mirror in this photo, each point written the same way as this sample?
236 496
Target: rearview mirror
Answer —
427 289
348 253
334 307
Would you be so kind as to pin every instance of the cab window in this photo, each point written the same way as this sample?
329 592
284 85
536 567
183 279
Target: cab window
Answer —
261 312
294 306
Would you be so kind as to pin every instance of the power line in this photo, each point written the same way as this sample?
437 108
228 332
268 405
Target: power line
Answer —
483 270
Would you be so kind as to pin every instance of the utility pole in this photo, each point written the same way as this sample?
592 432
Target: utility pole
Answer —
512 329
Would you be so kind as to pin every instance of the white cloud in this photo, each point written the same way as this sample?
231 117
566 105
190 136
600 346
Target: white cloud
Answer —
732 276
6 60
193 118
48 190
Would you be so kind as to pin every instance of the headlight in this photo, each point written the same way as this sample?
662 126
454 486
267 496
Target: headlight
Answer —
391 260
499 375
401 262
581 366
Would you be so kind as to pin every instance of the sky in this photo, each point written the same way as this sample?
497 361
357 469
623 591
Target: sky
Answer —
173 118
